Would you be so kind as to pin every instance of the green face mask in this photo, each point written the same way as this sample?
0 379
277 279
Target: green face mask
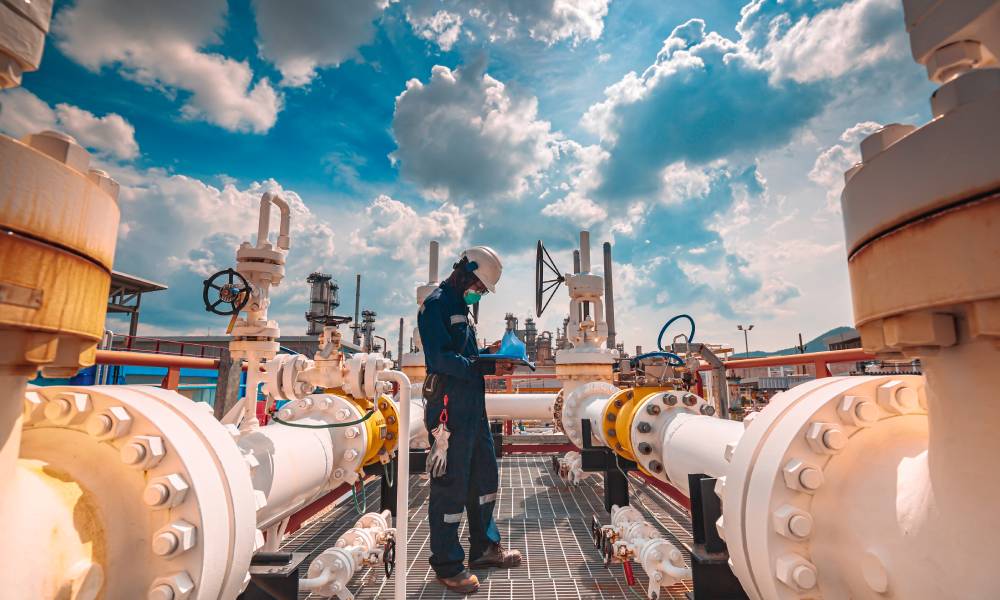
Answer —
472 296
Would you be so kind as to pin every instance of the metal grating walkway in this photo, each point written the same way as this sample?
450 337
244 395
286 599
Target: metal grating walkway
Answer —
548 521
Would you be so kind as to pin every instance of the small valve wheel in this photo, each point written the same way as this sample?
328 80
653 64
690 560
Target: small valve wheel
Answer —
226 292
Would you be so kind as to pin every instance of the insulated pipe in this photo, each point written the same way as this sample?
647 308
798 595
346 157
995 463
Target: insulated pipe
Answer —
264 222
531 407
697 444
432 268
403 479
609 297
585 252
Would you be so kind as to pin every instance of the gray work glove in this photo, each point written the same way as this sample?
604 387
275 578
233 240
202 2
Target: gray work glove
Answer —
437 460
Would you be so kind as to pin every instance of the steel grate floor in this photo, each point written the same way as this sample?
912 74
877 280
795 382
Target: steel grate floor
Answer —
546 520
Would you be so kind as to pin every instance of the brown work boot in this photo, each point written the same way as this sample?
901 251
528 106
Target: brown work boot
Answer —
499 557
463 583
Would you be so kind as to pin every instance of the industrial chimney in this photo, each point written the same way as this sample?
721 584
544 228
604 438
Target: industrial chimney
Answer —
609 296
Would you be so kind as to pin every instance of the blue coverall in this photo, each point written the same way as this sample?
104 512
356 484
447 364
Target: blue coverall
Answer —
471 478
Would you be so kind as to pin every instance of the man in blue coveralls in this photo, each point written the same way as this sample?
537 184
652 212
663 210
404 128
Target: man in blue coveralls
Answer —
470 479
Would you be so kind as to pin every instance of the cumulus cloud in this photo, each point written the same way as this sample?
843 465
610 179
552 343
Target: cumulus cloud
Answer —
547 21
22 113
704 97
811 42
828 170
160 45
465 135
396 230
313 34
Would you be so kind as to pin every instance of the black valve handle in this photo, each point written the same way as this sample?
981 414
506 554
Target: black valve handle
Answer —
226 293
389 557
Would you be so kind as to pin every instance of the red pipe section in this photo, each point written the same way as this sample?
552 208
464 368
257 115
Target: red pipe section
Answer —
148 359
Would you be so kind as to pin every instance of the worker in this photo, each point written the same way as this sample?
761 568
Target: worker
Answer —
467 482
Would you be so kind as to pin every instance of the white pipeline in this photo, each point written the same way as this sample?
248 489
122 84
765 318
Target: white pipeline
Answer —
529 407
697 444
402 478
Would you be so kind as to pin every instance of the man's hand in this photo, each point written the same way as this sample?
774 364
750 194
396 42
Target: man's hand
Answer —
504 367
493 348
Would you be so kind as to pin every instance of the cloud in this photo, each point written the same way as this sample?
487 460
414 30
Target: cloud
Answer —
403 234
704 97
464 135
311 34
547 21
818 43
828 170
160 45
23 113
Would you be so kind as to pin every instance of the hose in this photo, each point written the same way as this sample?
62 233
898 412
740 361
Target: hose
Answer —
672 359
659 338
367 416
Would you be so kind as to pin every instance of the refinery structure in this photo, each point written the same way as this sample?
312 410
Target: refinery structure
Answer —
623 474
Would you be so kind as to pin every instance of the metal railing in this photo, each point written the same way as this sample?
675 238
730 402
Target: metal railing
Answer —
153 345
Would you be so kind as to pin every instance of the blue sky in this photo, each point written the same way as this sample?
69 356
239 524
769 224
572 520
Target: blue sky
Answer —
705 139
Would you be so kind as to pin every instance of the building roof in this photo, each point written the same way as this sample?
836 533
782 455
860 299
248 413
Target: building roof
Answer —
132 283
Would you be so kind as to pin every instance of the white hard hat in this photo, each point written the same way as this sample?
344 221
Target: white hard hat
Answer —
487 265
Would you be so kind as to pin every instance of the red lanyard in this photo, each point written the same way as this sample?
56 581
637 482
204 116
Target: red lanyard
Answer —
444 411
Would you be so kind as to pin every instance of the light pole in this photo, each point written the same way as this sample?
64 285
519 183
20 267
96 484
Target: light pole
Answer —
746 341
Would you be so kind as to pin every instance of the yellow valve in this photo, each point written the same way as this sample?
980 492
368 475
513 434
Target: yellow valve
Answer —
618 416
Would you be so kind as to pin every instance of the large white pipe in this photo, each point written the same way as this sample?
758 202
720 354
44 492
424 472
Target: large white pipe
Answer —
402 478
697 444
296 466
529 407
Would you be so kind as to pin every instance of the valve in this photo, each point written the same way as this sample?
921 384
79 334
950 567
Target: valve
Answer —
389 556
227 288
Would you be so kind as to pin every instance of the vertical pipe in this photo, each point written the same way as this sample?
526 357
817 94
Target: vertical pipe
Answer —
576 262
609 296
432 272
402 481
585 252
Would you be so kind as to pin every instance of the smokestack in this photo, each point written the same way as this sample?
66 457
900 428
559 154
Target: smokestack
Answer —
357 308
585 252
576 262
399 354
432 271
609 296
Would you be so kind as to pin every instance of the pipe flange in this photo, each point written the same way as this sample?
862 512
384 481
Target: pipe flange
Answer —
780 467
654 410
575 403
150 461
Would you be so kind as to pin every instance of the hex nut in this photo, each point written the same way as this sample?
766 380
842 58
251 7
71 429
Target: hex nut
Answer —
166 491
949 61
104 182
67 408
34 407
796 572
652 409
690 399
670 399
655 466
60 147
749 419
802 476
177 537
176 586
708 410
897 397
109 424
792 522
645 448
729 452
859 411
644 427
143 451
826 438
881 140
